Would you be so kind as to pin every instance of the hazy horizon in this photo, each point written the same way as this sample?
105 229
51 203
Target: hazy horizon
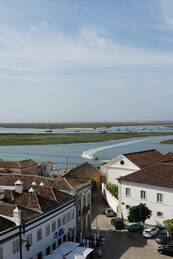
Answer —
90 61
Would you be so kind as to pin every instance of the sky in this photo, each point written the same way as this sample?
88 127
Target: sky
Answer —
94 60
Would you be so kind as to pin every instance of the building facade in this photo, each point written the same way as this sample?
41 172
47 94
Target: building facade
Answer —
153 186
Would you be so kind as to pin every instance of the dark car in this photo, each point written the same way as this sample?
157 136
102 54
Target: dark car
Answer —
166 250
117 223
162 238
134 227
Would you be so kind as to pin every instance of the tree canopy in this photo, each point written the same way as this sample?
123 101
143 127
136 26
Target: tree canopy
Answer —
169 225
139 213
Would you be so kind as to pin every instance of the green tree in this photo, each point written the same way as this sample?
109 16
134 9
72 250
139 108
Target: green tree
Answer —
113 189
139 213
169 226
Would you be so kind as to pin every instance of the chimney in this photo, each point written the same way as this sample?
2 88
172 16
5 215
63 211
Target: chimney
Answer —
31 189
34 185
17 215
19 186
41 184
1 194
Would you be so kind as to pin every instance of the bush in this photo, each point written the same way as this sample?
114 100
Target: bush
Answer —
113 189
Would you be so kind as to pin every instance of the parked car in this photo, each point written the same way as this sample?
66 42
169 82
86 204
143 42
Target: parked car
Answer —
133 227
117 223
162 238
109 212
166 250
150 232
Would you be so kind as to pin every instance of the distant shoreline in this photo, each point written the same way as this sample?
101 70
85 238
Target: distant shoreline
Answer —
17 139
81 125
167 142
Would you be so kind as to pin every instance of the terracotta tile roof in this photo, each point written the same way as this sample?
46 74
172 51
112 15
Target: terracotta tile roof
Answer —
5 224
6 209
167 158
17 164
75 183
58 183
84 171
159 174
144 158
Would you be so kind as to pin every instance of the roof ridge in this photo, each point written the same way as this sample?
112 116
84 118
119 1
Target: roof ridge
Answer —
139 152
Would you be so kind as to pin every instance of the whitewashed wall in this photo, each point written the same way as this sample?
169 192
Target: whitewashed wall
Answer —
39 246
110 199
114 169
151 200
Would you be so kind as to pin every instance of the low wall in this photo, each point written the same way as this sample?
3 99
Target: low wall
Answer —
110 199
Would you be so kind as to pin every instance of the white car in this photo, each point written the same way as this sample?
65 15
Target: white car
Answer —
150 232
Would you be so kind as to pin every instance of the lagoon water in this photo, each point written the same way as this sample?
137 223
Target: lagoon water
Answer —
68 155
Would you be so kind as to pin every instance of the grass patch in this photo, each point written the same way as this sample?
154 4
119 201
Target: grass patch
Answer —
170 142
45 139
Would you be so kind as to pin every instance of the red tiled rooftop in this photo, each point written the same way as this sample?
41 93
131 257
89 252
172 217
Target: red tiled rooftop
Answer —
144 158
159 174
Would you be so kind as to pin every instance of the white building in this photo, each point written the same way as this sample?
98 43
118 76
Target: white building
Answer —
153 186
128 163
40 213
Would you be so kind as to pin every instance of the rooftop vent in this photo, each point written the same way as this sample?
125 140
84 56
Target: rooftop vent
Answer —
31 190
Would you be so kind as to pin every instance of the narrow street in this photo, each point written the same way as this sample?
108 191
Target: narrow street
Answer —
120 244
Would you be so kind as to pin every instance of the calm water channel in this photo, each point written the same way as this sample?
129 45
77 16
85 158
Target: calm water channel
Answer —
68 155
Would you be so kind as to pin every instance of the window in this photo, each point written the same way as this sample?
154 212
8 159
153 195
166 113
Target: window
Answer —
72 214
1 252
16 246
39 256
29 239
54 246
64 219
143 195
159 197
159 214
128 192
88 198
39 234
47 230
48 250
53 226
84 200
122 162
68 217
59 223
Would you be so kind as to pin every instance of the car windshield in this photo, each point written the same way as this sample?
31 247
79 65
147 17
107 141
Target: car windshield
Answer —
148 231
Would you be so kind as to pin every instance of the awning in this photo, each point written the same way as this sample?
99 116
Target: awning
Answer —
72 250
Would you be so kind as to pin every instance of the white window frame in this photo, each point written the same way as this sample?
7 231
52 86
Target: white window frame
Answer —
68 216
128 192
47 230
16 246
29 239
160 216
143 195
64 219
59 222
39 234
160 197
53 226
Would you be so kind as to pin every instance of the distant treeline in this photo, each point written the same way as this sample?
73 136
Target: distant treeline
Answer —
64 125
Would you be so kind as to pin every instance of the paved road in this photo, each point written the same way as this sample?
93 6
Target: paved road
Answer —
121 244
